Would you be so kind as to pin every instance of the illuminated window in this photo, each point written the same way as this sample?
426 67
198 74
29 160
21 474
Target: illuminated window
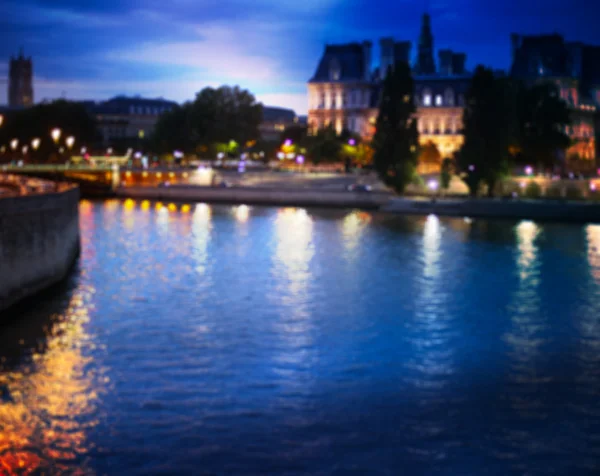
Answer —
427 98
335 71
438 100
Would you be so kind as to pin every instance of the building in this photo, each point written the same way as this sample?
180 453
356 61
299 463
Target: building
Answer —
575 69
275 121
20 82
344 92
124 119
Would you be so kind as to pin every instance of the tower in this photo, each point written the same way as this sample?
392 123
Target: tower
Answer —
20 83
425 63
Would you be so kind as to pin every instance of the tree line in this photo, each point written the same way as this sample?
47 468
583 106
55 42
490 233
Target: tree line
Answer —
504 122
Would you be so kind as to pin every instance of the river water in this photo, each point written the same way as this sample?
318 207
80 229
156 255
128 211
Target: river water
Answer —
197 339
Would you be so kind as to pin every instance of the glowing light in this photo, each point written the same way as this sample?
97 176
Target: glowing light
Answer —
220 155
351 142
159 206
55 134
83 150
172 207
529 170
171 174
109 151
300 159
129 204
70 141
471 168
158 174
128 174
35 143
14 144
144 174
178 154
432 185
137 155
242 213
288 142
24 149
522 184
145 205
1 119
593 186
527 232
185 209
185 175
280 155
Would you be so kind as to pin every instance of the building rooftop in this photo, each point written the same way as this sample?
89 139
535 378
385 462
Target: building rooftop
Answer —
345 62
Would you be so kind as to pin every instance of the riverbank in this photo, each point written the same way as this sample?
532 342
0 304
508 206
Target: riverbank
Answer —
261 196
543 210
39 239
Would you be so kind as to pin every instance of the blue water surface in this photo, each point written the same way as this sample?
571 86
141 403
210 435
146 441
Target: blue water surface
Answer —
197 339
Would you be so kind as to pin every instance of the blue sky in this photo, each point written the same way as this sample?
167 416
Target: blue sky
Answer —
95 49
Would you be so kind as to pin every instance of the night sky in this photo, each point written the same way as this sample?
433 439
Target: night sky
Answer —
94 49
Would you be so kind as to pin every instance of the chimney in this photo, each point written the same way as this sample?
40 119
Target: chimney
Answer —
446 62
402 51
458 63
386 46
367 46
515 40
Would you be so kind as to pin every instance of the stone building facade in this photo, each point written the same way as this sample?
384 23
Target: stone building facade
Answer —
575 69
345 90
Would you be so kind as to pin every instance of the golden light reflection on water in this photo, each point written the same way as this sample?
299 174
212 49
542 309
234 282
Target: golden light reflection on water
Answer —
593 241
242 213
292 268
293 229
527 232
432 234
526 337
145 206
51 402
353 227
201 228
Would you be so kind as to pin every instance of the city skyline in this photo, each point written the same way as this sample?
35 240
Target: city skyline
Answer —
102 49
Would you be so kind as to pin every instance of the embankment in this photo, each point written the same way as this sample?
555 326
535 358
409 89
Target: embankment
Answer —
39 242
260 196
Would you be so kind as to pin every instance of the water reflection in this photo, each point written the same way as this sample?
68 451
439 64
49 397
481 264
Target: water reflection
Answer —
593 241
526 339
294 251
201 229
242 213
353 227
49 405
432 364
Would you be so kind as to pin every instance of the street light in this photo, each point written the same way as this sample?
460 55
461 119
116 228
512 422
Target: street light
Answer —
56 132
24 149
83 150
14 144
70 141
109 151
35 143
1 120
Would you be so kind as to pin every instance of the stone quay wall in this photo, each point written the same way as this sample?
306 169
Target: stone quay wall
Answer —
39 242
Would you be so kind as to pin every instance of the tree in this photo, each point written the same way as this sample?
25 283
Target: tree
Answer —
488 121
396 138
430 158
172 131
325 146
446 173
37 122
542 117
217 116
